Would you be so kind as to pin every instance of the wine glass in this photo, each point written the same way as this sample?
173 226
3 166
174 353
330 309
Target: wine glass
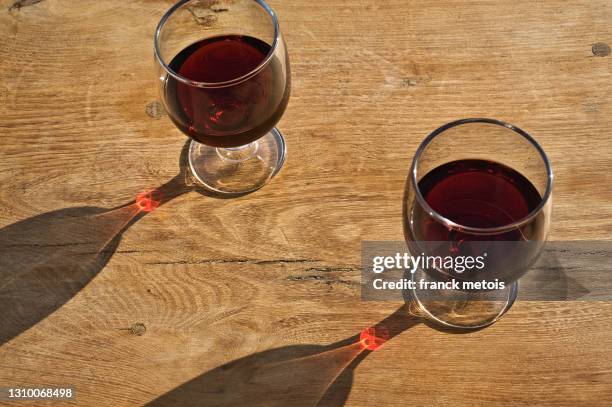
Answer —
480 189
224 79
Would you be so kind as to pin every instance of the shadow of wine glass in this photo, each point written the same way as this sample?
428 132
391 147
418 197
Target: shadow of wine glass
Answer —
47 259
308 375
554 278
298 375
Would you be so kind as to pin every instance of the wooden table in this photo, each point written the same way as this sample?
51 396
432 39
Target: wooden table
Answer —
274 275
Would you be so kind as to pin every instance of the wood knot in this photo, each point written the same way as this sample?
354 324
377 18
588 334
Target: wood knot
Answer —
205 12
407 82
600 49
138 329
155 109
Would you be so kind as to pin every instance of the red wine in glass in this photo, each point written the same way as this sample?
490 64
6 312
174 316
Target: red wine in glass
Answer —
226 89
478 194
477 213
246 100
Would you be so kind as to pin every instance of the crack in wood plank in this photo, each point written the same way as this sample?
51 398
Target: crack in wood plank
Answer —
23 3
238 261
333 269
328 280
68 244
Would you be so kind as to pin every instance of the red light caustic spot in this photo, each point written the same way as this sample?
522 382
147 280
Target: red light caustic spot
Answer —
146 202
374 337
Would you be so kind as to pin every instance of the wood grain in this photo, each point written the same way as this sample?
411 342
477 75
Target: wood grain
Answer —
215 280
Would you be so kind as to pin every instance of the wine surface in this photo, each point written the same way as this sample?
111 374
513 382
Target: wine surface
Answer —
230 110
479 193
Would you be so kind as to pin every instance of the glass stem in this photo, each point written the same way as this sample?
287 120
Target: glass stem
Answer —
238 154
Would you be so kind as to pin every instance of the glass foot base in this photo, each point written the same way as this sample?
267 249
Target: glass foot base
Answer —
236 171
460 309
